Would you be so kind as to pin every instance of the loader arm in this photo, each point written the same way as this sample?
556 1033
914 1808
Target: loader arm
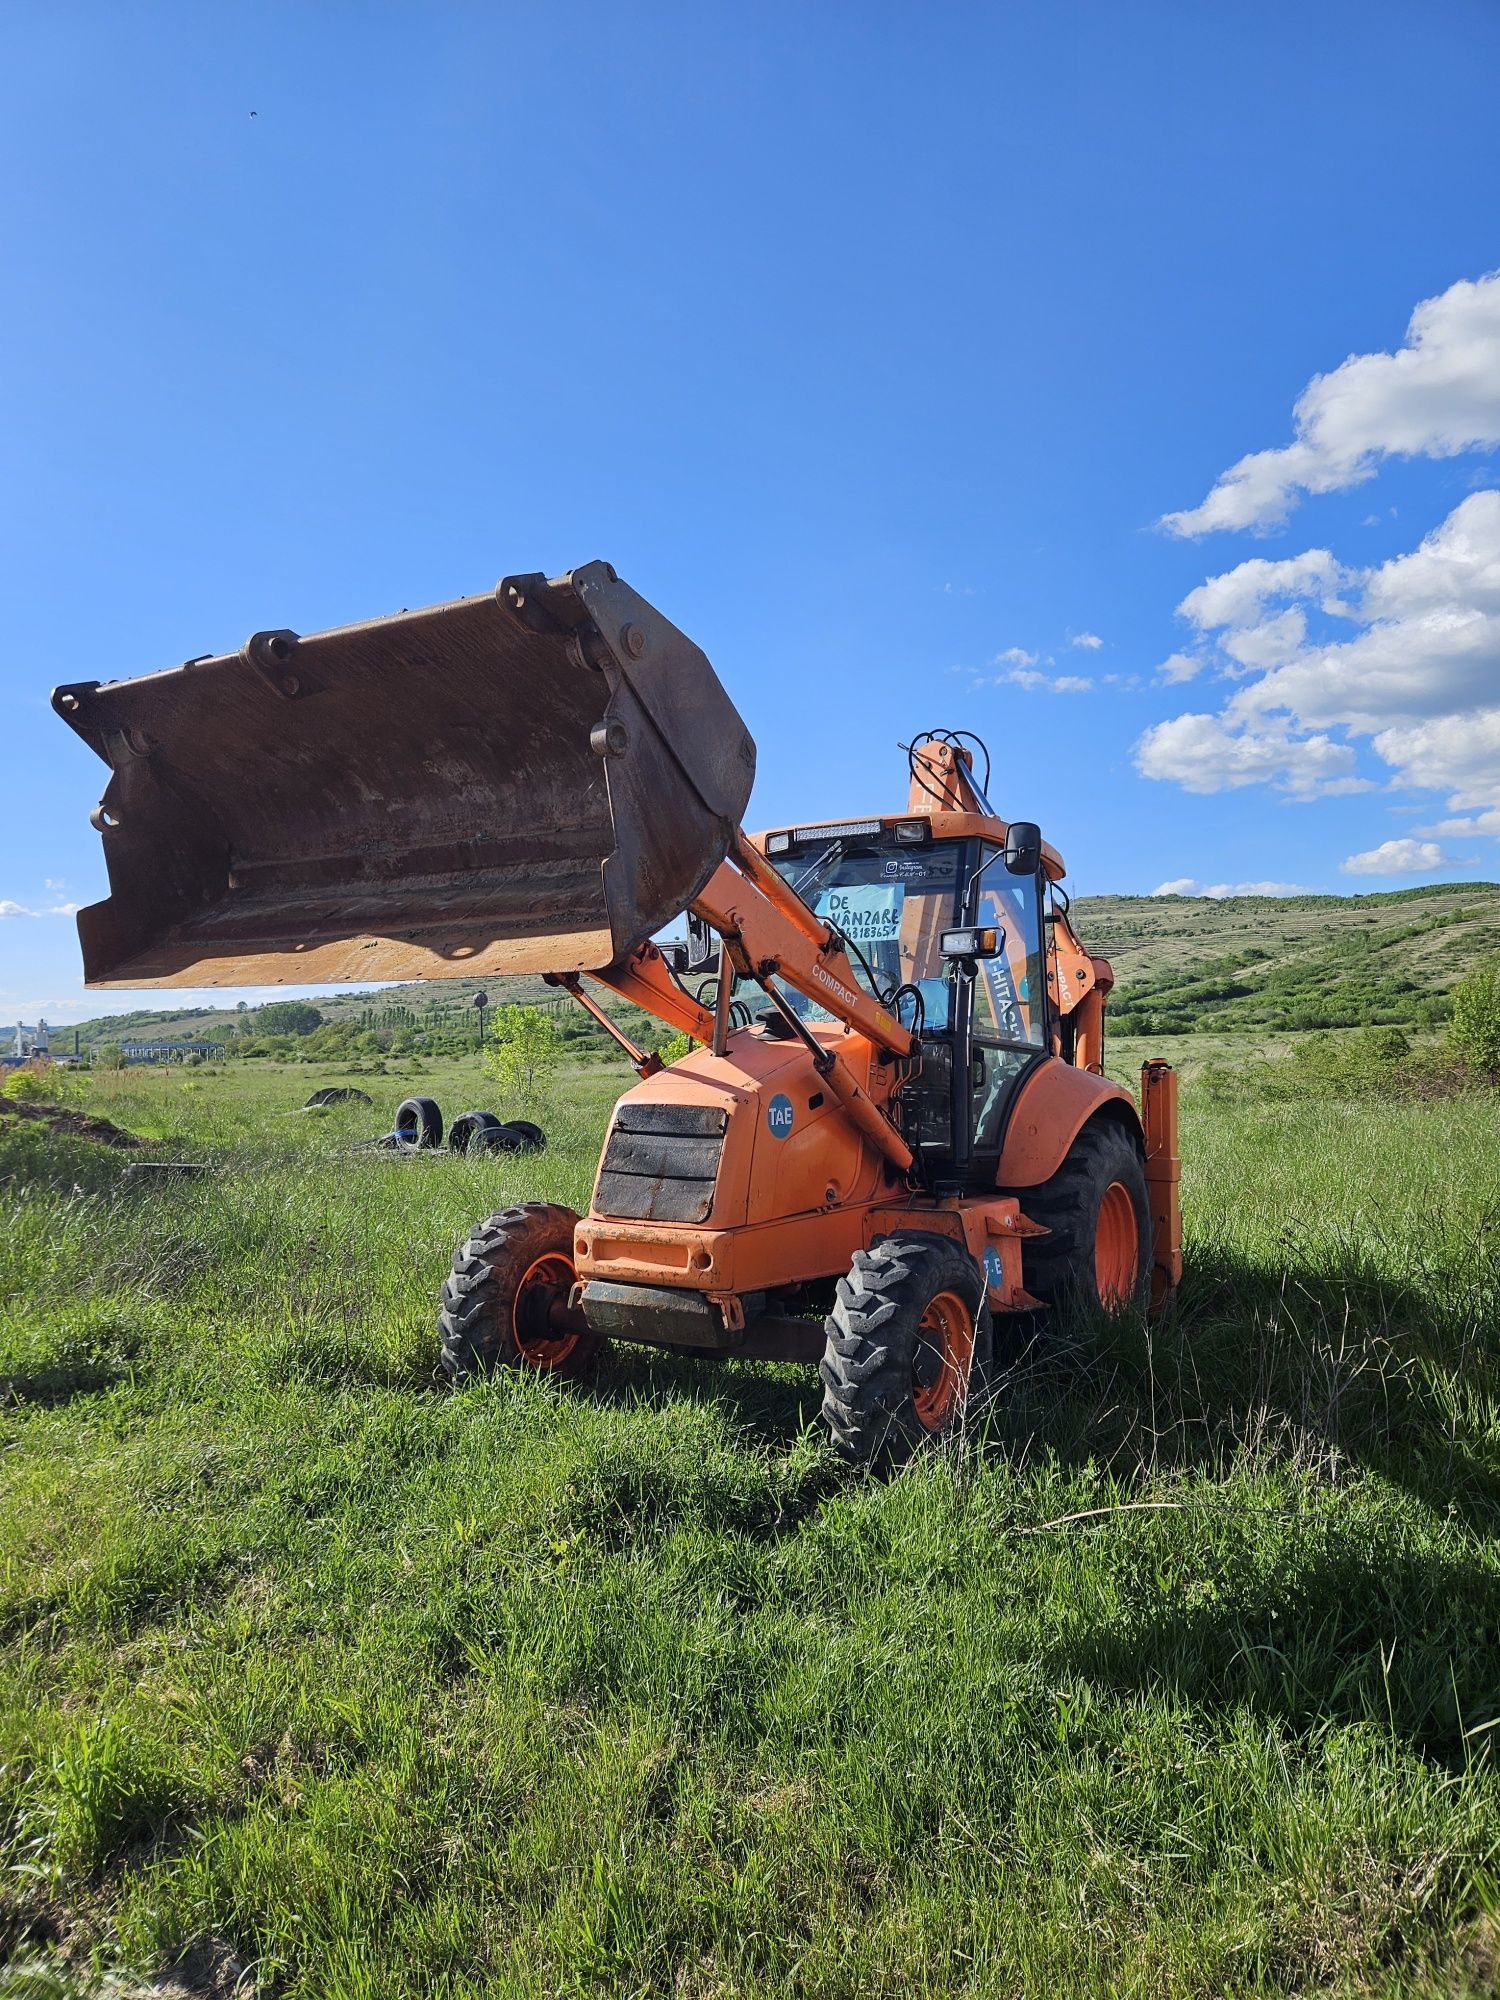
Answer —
768 933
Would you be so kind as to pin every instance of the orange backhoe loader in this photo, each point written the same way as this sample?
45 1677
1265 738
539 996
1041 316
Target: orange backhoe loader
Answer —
894 1139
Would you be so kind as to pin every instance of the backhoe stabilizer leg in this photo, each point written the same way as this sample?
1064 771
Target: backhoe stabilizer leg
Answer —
1163 1175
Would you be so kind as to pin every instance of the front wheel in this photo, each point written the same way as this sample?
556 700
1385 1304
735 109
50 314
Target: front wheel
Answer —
908 1347
510 1274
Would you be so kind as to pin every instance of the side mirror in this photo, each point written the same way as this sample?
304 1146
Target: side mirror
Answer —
974 941
703 946
1023 847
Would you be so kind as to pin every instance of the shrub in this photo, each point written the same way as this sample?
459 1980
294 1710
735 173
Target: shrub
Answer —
287 1017
1474 1019
522 1052
26 1086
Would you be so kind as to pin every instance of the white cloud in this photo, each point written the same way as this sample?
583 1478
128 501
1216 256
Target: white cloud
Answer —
1188 885
1412 667
1015 656
1436 396
10 909
1458 754
1485 823
1270 644
1090 641
1200 754
1458 562
1431 639
1180 667
1030 678
1238 597
48 883
1397 857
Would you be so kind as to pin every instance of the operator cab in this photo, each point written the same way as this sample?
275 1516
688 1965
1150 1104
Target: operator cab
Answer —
898 897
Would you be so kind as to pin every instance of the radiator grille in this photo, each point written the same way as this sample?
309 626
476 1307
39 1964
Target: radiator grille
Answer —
661 1162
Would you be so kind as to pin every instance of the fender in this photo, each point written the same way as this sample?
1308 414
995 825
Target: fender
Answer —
1053 1104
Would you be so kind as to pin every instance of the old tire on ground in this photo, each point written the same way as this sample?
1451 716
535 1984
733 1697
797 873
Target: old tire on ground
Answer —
1098 1254
471 1131
908 1347
419 1123
507 1274
532 1136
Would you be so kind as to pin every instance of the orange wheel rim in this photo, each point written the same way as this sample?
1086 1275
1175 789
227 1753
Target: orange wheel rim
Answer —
544 1282
1117 1247
940 1369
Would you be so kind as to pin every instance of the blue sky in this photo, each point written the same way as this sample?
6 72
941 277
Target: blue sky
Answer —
877 345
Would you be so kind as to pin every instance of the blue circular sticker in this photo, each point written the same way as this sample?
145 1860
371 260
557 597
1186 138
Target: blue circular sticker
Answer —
994 1270
779 1115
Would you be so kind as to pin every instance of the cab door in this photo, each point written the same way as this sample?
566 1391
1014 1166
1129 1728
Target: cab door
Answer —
1008 1009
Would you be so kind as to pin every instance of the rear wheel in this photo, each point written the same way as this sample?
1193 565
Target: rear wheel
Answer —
1098 1252
907 1347
510 1274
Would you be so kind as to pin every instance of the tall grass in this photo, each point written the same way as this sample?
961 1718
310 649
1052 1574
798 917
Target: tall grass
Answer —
1180 1677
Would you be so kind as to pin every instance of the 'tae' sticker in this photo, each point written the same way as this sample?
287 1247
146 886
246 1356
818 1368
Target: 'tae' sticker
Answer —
779 1115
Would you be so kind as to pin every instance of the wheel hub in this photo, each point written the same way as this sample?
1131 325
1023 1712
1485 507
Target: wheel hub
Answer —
944 1356
1116 1247
544 1287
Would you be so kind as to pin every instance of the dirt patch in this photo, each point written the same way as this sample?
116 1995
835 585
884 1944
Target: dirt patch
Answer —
283 1768
207 1970
72 1124
29 1922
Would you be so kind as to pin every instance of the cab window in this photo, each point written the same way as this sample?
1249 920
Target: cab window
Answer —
1008 1019
1010 992
893 903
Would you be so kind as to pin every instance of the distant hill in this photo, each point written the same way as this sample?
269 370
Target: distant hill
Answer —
1188 963
167 1023
1182 963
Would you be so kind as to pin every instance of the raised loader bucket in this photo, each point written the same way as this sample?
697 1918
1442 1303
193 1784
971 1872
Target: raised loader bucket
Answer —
530 781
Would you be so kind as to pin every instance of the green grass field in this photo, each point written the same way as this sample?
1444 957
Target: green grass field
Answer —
1180 1677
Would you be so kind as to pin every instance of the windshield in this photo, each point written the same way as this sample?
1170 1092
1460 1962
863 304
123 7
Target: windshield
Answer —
892 903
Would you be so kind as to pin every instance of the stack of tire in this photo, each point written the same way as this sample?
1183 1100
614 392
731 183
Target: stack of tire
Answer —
419 1128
